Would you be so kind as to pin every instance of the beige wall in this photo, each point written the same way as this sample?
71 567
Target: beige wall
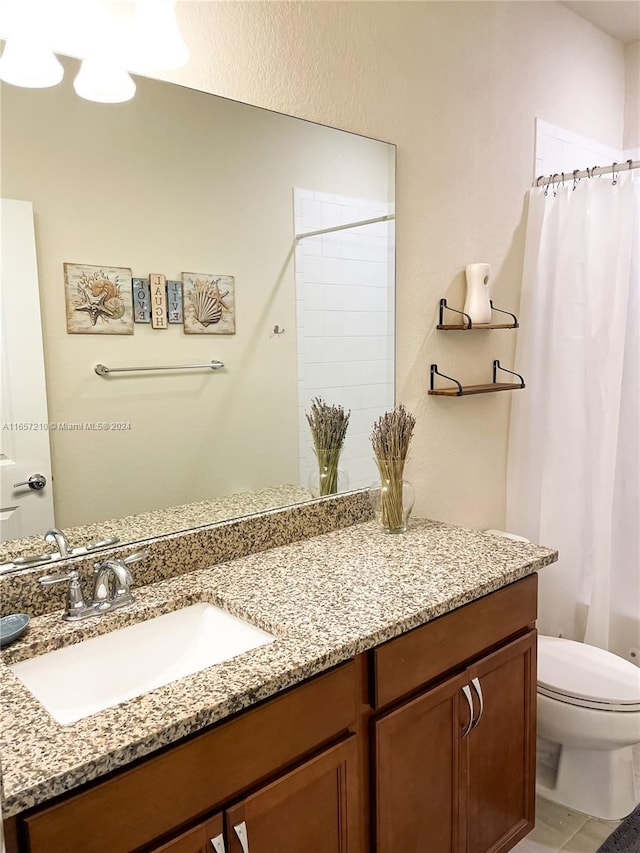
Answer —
457 85
173 181
632 96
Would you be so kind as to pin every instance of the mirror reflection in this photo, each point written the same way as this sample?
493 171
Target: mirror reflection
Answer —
179 183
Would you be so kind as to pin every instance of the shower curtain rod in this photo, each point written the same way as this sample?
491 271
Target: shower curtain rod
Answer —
385 218
562 177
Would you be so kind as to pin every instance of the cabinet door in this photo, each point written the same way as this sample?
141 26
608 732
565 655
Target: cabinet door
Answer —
312 809
500 756
205 838
417 750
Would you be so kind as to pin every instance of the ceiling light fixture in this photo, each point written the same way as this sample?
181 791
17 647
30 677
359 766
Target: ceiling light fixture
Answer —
98 80
105 40
26 63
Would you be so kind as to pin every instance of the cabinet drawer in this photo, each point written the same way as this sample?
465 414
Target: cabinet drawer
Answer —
186 781
404 664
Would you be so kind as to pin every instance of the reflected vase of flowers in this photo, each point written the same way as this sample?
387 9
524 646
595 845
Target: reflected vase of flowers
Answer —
328 425
327 478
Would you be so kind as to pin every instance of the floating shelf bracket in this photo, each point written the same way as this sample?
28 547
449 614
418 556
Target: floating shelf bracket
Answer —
433 372
467 322
497 366
461 390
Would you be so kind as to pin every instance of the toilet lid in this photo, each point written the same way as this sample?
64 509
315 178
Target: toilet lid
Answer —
586 675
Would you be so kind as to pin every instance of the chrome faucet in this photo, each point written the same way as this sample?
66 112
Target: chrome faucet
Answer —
63 550
111 588
56 537
113 581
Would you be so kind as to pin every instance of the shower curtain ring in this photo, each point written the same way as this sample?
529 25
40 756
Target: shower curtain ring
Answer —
576 179
555 183
615 176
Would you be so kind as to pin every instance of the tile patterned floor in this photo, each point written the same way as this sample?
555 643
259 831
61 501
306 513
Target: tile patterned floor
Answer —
558 828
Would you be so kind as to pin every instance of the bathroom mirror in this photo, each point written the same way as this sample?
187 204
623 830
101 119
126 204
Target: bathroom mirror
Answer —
179 181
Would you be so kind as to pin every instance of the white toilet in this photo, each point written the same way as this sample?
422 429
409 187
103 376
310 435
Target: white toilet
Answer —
589 703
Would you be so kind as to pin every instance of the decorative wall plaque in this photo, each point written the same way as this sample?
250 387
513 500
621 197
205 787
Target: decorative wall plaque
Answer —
174 301
98 300
209 304
141 300
157 286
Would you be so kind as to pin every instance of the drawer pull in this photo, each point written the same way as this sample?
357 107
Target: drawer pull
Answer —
476 686
467 695
218 843
240 830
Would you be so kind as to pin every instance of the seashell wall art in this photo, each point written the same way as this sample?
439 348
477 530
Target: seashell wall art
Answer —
98 300
209 304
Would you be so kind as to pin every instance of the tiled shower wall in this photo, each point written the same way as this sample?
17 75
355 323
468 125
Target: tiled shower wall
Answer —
345 322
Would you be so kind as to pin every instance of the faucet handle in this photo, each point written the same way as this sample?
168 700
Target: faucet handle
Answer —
47 580
124 561
76 607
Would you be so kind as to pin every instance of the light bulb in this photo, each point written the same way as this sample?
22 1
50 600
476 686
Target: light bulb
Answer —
156 42
26 63
100 81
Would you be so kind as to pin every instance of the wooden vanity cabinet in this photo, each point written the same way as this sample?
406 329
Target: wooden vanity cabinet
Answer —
312 809
455 764
199 777
418 773
207 837
425 744
500 751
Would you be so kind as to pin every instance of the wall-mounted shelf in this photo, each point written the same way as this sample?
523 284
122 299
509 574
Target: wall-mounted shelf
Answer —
467 324
460 390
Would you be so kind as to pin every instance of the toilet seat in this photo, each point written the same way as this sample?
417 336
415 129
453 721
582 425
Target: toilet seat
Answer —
586 676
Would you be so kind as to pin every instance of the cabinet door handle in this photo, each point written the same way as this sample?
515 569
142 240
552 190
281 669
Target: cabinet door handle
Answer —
240 830
467 695
218 843
476 686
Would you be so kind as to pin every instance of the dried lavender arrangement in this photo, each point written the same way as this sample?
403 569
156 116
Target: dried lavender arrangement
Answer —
328 426
390 438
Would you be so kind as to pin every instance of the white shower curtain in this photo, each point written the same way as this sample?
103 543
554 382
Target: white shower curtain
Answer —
573 471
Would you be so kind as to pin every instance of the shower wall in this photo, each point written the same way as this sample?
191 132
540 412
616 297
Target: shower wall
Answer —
345 322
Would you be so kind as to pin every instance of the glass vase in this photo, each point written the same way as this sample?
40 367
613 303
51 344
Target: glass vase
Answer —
392 498
328 478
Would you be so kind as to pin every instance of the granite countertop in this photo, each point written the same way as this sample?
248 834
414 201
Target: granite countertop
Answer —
326 599
160 522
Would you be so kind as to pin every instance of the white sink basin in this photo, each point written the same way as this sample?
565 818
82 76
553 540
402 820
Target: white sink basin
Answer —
79 680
